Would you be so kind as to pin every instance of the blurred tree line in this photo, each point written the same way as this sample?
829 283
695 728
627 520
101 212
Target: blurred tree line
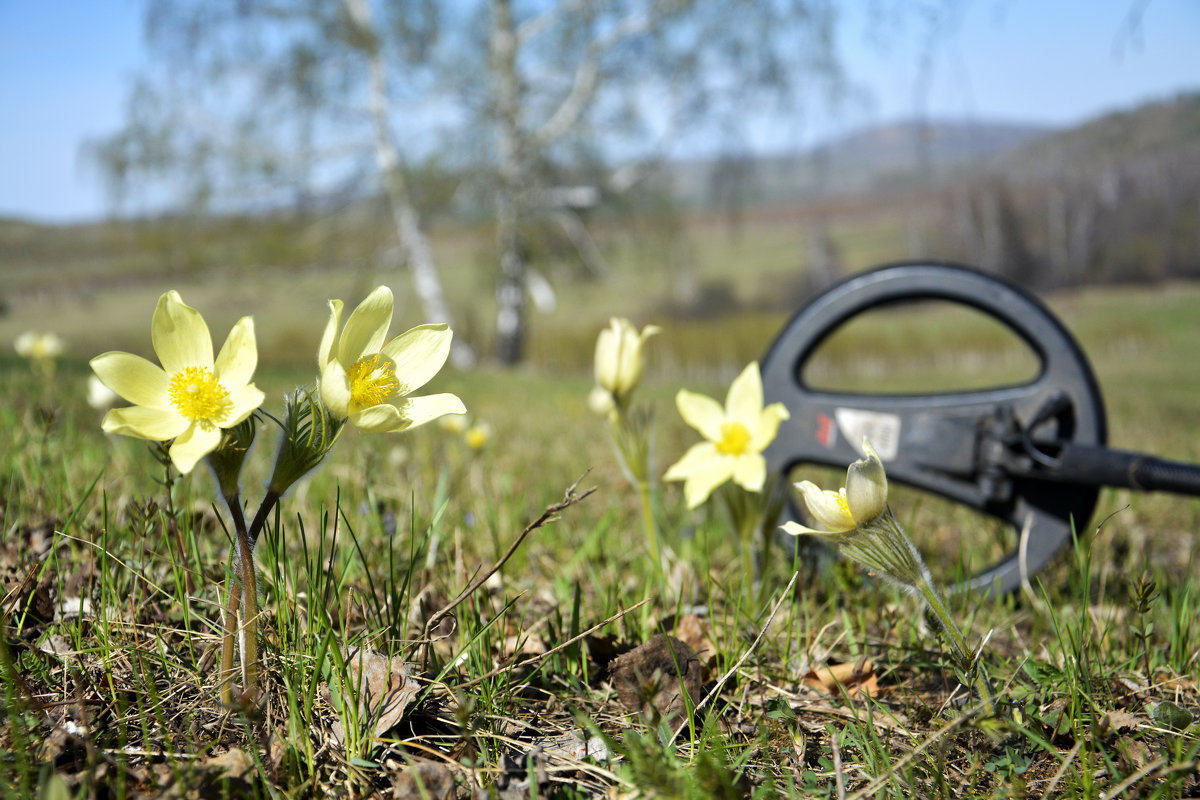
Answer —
530 112
1117 200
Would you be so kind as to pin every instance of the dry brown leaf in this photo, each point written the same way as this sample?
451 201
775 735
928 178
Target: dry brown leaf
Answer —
653 677
1121 720
424 780
384 687
696 633
856 679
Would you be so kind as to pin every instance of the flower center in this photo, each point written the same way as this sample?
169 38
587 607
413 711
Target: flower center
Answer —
372 380
844 502
734 439
198 396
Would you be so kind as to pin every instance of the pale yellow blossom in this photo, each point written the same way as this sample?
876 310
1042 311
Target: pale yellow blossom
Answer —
619 362
859 502
735 437
39 346
368 379
192 396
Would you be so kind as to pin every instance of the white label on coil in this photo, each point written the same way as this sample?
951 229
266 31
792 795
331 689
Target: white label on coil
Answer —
882 429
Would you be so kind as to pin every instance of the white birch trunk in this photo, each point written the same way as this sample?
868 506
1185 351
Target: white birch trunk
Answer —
414 245
510 288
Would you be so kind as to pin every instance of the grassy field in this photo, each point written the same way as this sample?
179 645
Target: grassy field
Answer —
114 581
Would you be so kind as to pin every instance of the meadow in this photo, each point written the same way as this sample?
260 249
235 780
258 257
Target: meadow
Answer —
516 683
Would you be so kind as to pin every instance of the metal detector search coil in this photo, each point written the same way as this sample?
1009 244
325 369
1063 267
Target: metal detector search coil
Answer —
1032 455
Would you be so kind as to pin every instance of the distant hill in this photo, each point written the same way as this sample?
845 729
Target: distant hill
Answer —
914 153
914 144
1153 130
897 153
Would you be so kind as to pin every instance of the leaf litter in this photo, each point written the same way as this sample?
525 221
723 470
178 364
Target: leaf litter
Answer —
562 732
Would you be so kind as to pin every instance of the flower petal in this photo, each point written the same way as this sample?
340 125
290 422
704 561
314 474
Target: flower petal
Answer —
418 354
139 381
826 507
366 329
410 413
866 486
601 402
25 343
702 413
193 445
419 410
750 471
329 338
244 399
767 428
692 460
156 424
180 335
705 478
796 529
608 354
238 357
744 402
382 418
335 389
99 396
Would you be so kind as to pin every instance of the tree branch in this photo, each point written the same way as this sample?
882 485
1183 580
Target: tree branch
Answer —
587 74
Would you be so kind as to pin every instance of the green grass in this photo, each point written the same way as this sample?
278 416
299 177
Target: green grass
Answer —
1097 666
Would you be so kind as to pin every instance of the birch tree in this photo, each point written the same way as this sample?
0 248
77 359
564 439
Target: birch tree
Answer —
565 73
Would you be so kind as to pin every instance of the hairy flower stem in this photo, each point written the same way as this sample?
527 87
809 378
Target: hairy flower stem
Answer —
260 518
243 584
882 546
970 668
249 628
227 641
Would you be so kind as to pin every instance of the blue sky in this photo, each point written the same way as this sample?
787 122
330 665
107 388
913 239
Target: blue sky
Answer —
66 67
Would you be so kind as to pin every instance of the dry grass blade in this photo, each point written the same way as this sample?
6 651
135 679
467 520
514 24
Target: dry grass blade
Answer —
550 514
733 670
557 648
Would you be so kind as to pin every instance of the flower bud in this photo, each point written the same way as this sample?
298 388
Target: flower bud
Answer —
310 430
619 359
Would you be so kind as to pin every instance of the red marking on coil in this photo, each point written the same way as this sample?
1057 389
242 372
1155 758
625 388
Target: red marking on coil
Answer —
825 430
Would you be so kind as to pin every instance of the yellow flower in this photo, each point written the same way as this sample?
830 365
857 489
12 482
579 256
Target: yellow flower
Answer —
39 346
736 436
619 359
858 503
192 396
477 435
368 381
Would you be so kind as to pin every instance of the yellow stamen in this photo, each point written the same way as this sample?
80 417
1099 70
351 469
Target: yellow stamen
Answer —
372 380
844 503
198 396
734 439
